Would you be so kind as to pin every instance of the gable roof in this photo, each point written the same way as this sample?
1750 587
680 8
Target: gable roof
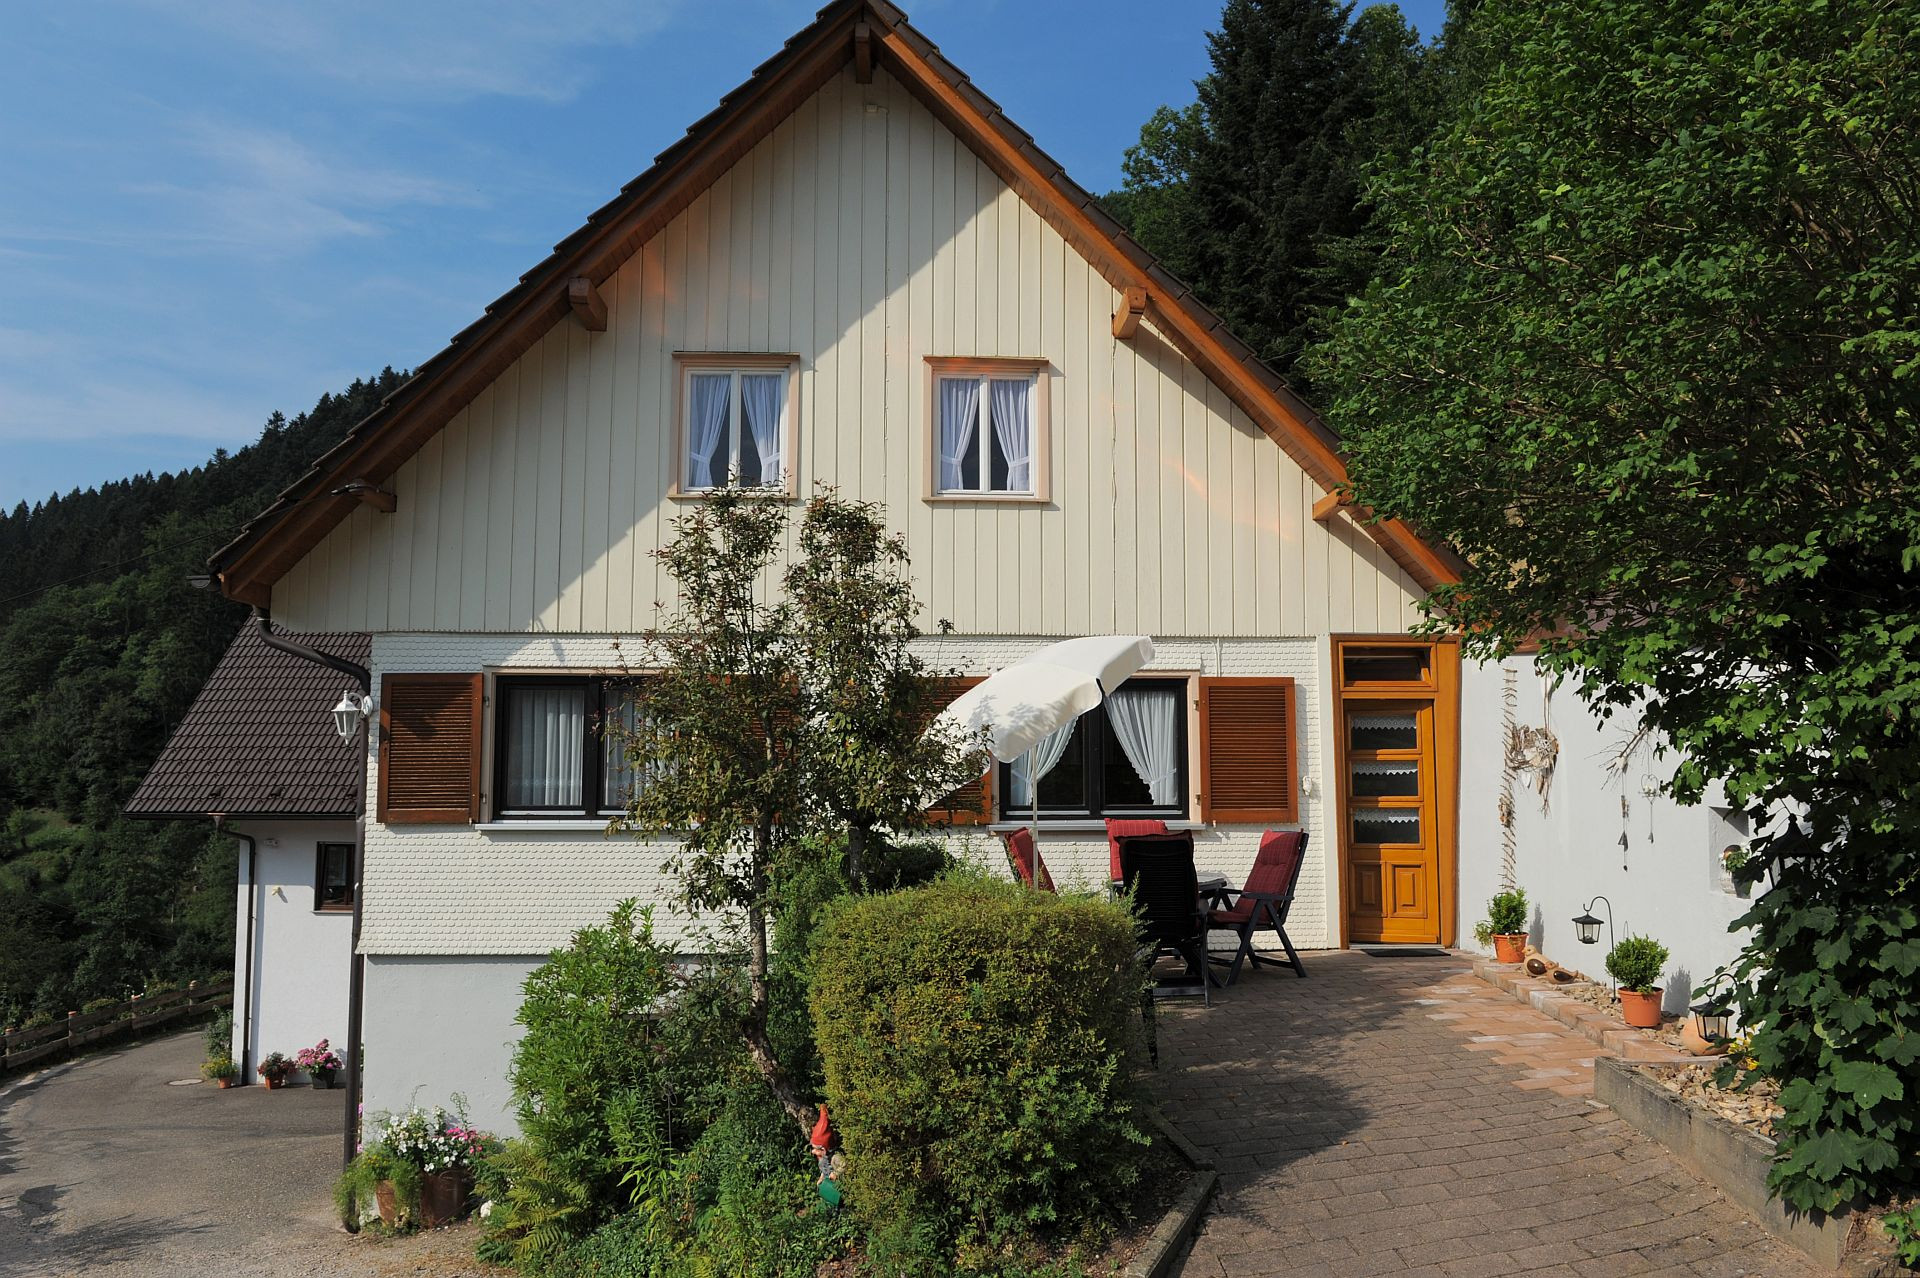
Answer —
259 740
866 33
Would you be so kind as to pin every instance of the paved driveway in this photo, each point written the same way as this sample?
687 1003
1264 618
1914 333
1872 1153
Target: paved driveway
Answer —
1399 1116
108 1169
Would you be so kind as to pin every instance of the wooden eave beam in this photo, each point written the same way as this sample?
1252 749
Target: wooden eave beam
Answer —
1324 509
862 53
587 304
1133 306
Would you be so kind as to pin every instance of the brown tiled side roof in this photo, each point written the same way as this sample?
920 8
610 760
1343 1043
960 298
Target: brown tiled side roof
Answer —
259 740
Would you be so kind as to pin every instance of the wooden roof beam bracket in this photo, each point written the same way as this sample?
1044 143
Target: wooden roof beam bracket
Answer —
1324 509
587 303
862 53
381 499
1133 306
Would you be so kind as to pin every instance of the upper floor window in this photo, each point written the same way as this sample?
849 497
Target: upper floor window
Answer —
989 428
558 746
736 421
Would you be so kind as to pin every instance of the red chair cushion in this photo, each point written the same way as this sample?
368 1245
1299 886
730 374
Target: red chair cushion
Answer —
1276 863
1025 858
1118 830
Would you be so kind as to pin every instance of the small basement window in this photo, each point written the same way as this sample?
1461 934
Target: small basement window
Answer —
333 877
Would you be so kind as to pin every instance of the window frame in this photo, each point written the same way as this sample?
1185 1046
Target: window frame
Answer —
1094 788
320 851
688 363
1037 373
593 806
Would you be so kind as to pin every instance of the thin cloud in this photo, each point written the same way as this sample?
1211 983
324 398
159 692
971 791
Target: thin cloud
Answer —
445 49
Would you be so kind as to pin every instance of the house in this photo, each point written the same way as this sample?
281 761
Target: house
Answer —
257 753
858 271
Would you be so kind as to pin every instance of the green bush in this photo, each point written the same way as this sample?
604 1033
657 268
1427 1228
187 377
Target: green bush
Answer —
587 1089
1506 916
1636 963
219 1035
977 1040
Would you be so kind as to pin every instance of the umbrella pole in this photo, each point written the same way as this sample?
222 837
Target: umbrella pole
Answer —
1033 815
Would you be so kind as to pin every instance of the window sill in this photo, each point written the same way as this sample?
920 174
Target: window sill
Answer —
536 825
342 910
751 494
986 499
1085 827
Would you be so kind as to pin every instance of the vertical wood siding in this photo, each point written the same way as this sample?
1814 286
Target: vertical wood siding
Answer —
860 236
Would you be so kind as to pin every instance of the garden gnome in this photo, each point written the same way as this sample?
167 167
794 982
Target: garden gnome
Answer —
830 1163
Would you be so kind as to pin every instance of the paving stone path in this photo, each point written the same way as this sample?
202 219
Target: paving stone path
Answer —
1400 1116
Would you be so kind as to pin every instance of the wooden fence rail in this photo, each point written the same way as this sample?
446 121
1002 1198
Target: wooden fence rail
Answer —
23 1049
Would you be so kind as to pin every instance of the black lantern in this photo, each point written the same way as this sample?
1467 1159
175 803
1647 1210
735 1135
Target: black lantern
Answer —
1587 927
1713 1013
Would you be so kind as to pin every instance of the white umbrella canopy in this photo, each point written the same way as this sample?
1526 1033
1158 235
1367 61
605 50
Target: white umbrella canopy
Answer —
1046 690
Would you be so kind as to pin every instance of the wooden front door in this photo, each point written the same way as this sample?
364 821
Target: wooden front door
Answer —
1397 717
1393 861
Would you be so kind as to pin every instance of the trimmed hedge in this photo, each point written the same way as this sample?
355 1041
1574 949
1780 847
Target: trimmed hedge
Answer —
978 1040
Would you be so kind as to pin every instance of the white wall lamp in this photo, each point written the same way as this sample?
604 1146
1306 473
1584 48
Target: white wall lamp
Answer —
350 714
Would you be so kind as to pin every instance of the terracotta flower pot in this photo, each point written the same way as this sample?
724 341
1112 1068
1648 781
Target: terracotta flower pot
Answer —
1510 947
1641 1010
274 1084
443 1197
389 1203
224 1083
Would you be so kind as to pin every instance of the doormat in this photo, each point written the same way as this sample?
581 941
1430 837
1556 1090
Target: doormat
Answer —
1405 951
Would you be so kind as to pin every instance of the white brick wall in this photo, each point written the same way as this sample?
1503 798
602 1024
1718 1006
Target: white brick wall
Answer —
458 890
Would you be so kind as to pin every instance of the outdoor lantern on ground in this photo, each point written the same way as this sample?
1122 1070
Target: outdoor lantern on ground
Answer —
1713 1014
348 714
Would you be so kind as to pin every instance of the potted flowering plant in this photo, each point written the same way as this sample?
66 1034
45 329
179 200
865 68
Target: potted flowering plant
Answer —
320 1062
275 1069
220 1071
418 1170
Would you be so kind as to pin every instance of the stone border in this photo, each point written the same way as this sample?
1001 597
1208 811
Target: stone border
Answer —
1612 1035
1737 1161
1157 1256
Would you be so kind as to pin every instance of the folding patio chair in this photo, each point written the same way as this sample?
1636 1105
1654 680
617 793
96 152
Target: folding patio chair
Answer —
1263 903
1025 857
1158 870
1118 830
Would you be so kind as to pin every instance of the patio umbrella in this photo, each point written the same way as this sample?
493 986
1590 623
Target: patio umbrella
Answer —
1019 707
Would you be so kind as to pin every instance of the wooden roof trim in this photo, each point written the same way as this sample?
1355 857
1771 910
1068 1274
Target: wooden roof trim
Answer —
376 447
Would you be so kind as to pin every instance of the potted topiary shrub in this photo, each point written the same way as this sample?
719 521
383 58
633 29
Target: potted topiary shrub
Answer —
221 1072
320 1062
1505 926
1636 963
275 1069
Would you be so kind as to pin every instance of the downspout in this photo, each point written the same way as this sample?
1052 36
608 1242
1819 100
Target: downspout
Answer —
356 966
253 893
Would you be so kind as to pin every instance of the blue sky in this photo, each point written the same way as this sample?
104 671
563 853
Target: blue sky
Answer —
211 209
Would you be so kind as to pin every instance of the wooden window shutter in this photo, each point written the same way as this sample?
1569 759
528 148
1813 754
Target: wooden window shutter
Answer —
1248 769
429 748
972 803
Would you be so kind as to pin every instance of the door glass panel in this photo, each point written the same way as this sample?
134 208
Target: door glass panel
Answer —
1398 780
1385 665
1386 825
1383 732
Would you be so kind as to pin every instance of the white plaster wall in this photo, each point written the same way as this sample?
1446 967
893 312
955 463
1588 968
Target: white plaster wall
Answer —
456 890
436 1028
300 956
1657 862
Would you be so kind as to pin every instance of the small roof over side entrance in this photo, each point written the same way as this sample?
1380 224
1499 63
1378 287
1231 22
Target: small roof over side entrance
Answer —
259 740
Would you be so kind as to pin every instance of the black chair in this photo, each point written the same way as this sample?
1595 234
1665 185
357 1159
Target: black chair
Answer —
1158 871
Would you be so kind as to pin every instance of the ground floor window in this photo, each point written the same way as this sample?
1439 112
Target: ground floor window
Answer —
333 877
1126 757
557 750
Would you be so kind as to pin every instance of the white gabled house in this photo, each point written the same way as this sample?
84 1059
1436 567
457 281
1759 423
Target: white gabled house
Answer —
858 271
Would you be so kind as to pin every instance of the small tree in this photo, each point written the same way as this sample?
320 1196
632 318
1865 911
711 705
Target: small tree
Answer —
717 734
872 760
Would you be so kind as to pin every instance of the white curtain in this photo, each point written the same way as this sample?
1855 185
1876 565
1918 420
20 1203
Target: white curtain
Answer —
760 401
619 721
709 398
1143 720
1014 431
959 417
1043 756
544 748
